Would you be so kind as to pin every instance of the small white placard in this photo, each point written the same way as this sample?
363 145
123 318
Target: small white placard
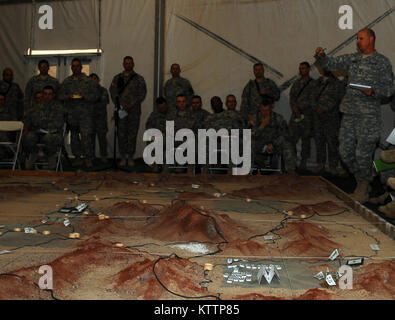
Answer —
66 222
319 275
4 251
268 237
195 186
230 261
334 255
330 281
375 247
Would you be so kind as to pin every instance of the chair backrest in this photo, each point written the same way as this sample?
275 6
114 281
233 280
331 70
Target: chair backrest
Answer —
11 125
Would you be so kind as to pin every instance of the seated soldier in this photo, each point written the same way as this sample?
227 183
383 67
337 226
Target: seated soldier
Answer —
38 98
44 125
221 119
157 120
198 113
270 136
231 104
183 120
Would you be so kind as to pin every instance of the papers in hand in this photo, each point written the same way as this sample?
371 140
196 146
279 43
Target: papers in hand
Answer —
122 113
391 137
359 86
43 131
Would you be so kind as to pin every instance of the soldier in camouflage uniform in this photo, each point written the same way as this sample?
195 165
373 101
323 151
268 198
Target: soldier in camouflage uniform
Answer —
128 89
270 135
157 120
13 94
183 120
301 122
100 119
44 125
326 97
198 113
361 123
252 93
175 86
79 92
220 119
37 83
231 104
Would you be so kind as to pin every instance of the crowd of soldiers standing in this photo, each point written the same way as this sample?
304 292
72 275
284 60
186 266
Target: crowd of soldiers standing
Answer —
345 123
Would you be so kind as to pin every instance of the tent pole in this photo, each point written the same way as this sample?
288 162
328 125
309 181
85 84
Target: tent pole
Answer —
159 47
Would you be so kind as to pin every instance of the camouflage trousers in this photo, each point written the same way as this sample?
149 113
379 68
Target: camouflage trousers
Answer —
358 137
282 147
51 142
301 130
100 130
326 134
128 128
80 122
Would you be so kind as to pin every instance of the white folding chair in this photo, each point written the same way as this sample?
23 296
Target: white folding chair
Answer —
14 146
59 166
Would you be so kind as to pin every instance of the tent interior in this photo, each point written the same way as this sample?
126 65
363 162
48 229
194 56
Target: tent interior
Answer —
215 41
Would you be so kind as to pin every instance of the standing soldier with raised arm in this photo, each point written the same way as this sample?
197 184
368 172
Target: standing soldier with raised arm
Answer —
251 97
38 82
301 122
79 93
128 90
370 79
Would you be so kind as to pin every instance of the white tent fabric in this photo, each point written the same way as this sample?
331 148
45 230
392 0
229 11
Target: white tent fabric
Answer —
75 25
281 33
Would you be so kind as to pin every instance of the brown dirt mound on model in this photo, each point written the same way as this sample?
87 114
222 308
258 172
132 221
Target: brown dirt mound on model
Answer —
376 278
184 222
180 276
306 238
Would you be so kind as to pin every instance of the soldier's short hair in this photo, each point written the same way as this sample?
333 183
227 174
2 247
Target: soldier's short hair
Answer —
258 64
305 63
181 95
266 100
371 33
48 88
128 58
230 95
76 59
43 61
94 75
160 100
197 97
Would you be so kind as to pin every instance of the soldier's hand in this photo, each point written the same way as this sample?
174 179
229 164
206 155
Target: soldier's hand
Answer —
368 92
263 91
252 122
269 148
320 52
